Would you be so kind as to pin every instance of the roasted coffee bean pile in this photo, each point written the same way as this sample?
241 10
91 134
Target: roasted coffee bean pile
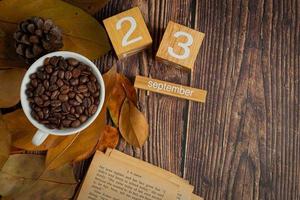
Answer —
63 93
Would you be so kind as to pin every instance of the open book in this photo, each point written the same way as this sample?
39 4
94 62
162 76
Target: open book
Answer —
117 176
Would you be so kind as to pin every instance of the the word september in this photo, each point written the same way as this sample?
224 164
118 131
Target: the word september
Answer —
170 89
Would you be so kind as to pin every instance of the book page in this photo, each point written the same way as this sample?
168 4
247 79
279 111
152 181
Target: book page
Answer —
185 190
195 197
110 179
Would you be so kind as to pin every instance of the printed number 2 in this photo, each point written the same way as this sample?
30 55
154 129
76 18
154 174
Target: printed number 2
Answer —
132 21
185 46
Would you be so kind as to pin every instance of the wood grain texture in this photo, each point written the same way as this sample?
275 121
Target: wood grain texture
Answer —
244 143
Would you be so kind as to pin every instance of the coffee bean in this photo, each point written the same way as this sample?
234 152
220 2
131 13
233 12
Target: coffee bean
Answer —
83 88
55 103
61 74
82 118
29 93
37 109
53 87
76 72
74 102
72 61
63 97
63 64
72 95
86 102
54 95
79 109
45 97
54 60
74 81
46 84
82 67
59 83
49 69
78 99
40 90
47 61
66 123
40 114
57 115
72 110
34 115
50 126
68 75
41 75
86 72
34 82
96 94
48 93
92 110
93 78
32 76
83 79
64 89
38 100
71 117
53 79
30 100
44 122
92 87
56 109
97 102
66 107
75 124
47 103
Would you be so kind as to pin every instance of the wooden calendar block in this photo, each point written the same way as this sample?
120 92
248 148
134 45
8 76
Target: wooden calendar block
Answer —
180 45
128 32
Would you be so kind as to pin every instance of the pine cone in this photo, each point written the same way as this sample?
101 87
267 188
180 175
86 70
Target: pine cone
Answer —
36 37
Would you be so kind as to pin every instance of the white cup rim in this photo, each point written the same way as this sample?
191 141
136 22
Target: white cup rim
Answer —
25 103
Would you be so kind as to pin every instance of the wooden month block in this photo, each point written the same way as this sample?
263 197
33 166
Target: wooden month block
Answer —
180 45
171 89
128 32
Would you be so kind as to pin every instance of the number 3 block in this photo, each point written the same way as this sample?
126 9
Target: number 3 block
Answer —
180 45
128 32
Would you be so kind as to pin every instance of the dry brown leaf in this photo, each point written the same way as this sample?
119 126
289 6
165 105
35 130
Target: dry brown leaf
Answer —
22 132
90 6
109 79
5 141
81 32
133 125
24 177
75 146
109 138
10 80
15 150
128 88
123 88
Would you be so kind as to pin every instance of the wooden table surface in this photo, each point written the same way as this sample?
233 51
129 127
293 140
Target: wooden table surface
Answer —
244 142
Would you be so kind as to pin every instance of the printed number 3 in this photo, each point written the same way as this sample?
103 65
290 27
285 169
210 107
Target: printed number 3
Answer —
185 46
132 21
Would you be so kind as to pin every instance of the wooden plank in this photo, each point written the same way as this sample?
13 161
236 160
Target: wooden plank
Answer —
170 89
166 115
244 142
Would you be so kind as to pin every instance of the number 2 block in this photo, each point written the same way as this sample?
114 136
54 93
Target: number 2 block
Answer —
180 45
128 32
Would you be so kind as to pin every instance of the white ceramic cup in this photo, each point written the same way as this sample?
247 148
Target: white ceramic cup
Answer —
43 132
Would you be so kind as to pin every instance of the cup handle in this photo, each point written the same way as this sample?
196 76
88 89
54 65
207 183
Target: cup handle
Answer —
39 138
